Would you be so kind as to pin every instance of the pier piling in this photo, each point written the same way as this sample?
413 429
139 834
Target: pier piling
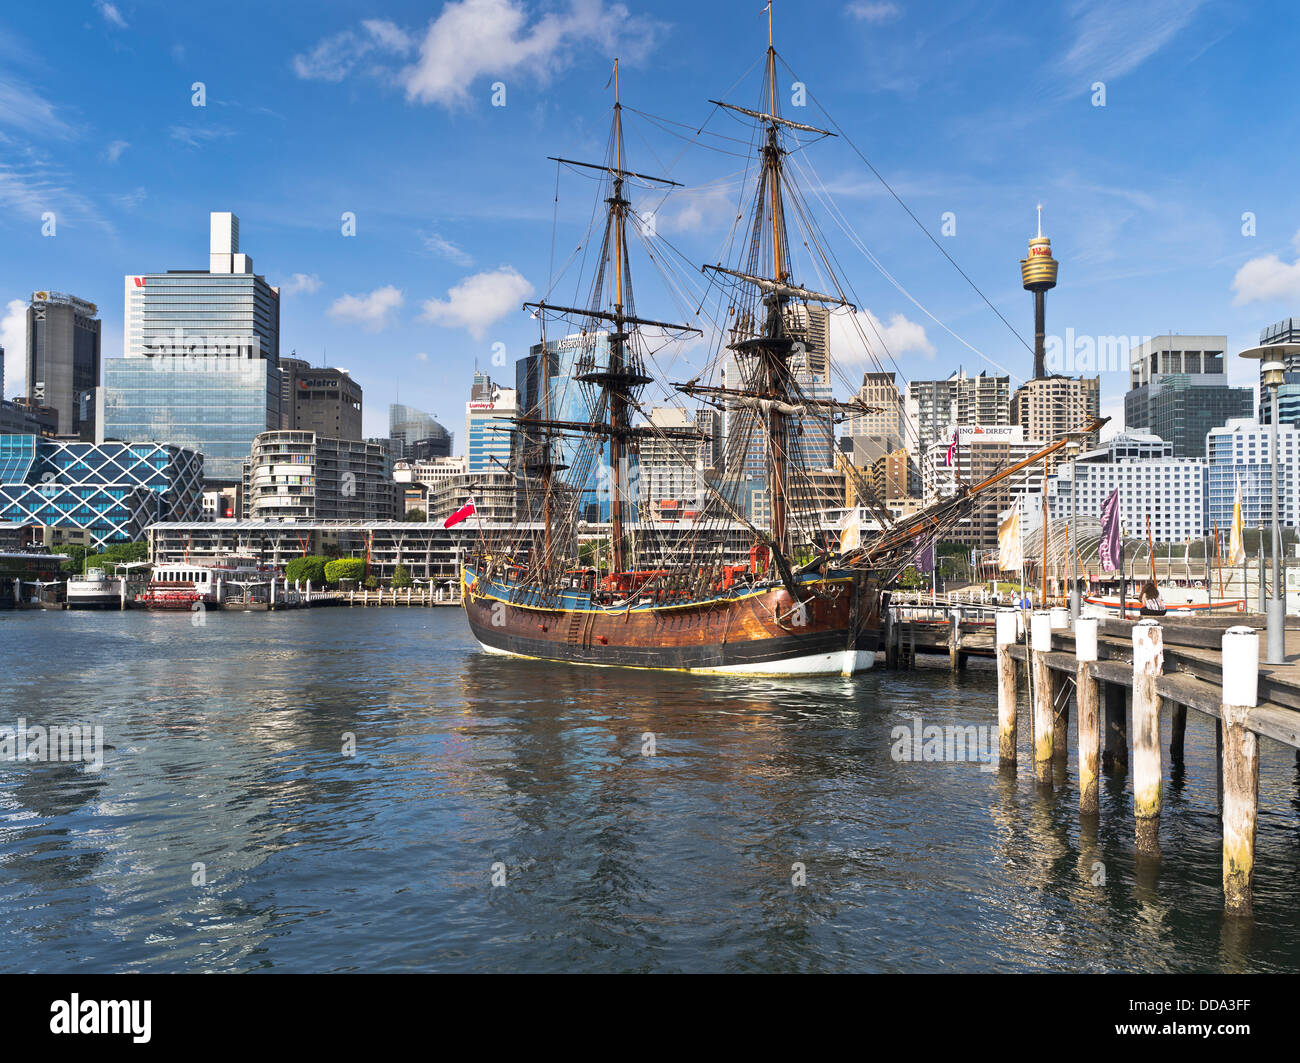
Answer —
1040 633
1087 698
1115 759
1240 766
1148 665
1006 638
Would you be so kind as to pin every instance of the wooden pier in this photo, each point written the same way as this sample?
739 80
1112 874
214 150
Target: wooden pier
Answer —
1117 675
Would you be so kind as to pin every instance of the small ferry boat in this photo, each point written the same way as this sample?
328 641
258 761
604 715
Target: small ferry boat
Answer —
186 584
96 589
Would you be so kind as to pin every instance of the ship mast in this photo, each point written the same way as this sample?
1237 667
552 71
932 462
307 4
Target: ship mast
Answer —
779 397
623 375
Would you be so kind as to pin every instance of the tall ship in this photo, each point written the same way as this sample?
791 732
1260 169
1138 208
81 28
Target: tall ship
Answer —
762 574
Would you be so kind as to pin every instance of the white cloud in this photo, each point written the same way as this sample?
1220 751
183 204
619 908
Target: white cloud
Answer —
196 136
1113 37
479 301
899 337
114 150
444 248
370 311
422 356
334 58
472 39
111 14
24 108
13 338
874 13
1267 278
301 282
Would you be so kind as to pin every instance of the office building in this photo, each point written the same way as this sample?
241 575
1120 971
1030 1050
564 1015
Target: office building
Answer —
288 368
305 476
201 364
63 358
1178 390
489 419
671 480
408 427
547 385
324 401
1288 395
981 451
112 490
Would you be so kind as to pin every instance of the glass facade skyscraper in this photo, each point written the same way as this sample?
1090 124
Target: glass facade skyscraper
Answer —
216 406
201 365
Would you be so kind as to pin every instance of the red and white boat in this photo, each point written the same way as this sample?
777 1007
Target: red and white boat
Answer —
189 585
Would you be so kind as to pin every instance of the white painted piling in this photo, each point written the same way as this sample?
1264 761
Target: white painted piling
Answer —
1087 694
1040 633
1006 624
1148 665
1240 766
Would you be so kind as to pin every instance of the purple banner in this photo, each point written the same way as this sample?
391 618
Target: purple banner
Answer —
925 559
1111 545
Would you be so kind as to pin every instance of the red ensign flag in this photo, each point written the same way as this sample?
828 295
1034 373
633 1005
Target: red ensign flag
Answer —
467 510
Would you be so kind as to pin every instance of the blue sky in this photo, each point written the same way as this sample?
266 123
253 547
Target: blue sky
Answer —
979 109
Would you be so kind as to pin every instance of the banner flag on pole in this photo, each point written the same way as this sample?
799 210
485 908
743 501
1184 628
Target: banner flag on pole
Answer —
1236 541
1010 556
1111 544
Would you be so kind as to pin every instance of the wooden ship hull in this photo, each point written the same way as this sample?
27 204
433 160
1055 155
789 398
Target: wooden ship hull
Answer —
755 631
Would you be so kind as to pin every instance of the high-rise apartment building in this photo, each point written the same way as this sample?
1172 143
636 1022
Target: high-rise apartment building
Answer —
1178 389
878 390
63 358
201 364
1048 407
1240 454
932 407
305 476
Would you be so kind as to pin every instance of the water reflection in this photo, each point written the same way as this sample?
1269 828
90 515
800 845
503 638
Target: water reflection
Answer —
339 790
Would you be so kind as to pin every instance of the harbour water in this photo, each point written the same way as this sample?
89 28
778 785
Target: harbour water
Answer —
503 815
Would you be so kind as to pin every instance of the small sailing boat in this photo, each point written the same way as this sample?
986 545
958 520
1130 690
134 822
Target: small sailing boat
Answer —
808 600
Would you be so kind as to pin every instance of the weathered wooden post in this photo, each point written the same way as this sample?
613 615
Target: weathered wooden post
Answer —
1006 638
1114 760
1177 733
1087 697
954 640
1240 766
1040 633
1148 664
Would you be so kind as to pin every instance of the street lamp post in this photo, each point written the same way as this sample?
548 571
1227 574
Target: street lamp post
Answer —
1271 375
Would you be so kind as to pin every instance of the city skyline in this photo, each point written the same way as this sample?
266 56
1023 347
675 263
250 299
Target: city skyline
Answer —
442 256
